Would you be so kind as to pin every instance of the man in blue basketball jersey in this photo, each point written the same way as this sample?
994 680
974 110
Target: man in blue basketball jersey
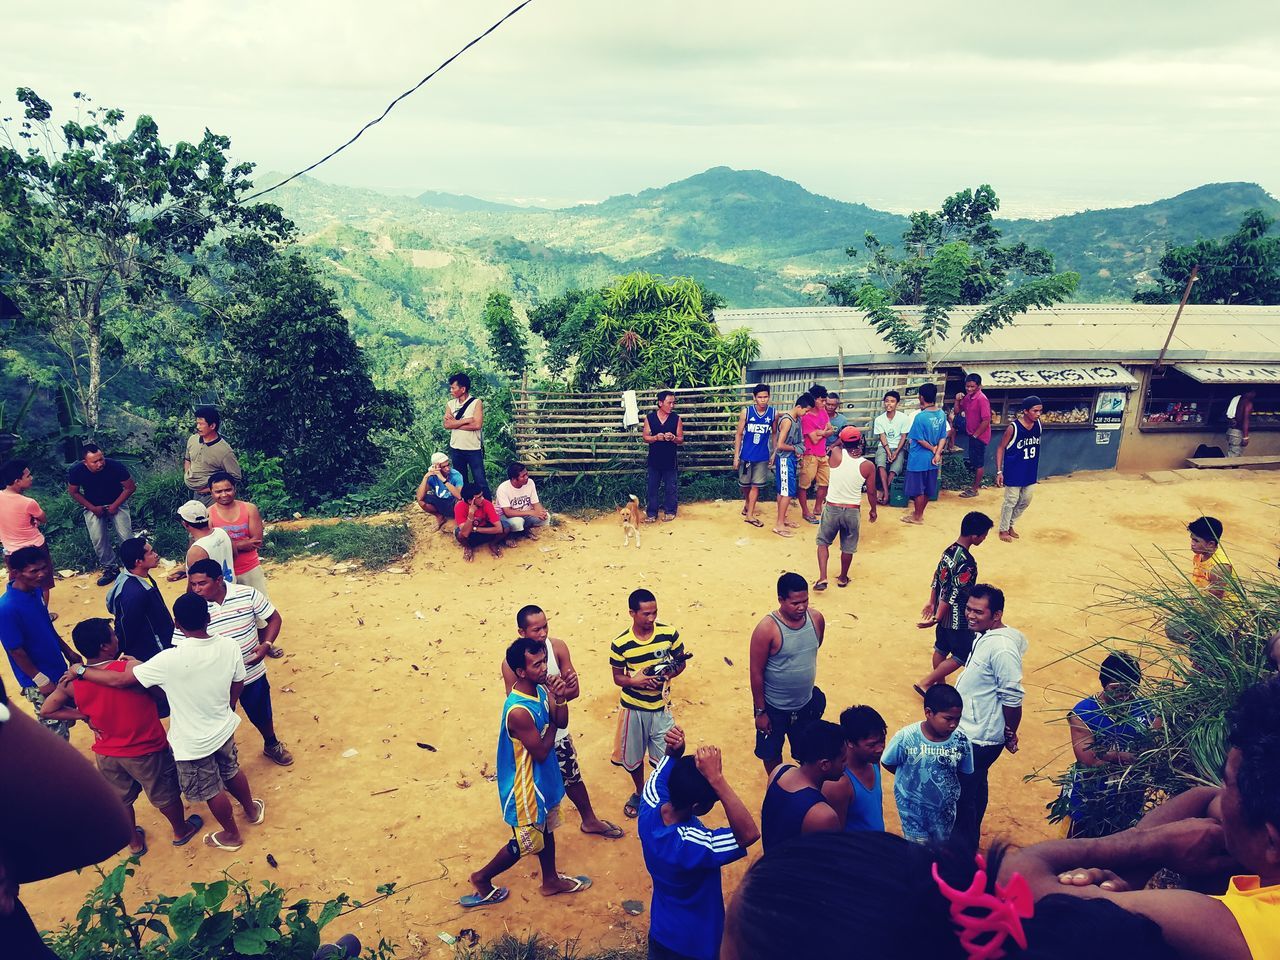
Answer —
751 453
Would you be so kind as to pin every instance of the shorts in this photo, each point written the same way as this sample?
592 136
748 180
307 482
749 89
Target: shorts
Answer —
958 425
567 758
254 578
753 474
531 839
787 475
976 457
882 461
640 732
842 520
956 644
442 505
202 779
922 483
814 468
785 723
154 773
34 697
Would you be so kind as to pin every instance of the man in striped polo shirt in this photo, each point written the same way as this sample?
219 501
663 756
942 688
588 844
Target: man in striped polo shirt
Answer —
645 716
240 612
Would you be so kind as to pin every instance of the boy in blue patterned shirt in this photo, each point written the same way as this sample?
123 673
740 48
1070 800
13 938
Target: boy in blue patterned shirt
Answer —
926 760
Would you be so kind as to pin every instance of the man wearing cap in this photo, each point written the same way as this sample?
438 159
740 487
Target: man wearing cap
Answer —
1018 464
440 489
850 475
207 542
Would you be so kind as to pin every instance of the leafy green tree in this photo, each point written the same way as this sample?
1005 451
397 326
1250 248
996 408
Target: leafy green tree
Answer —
645 331
560 321
1241 268
951 257
296 385
102 228
507 342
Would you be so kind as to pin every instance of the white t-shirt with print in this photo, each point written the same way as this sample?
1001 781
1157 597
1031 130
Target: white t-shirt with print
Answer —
196 676
512 498
893 430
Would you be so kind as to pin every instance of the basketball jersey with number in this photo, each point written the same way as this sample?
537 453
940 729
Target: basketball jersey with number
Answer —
1022 456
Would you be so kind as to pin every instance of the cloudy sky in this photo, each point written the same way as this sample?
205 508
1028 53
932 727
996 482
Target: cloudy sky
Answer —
1059 106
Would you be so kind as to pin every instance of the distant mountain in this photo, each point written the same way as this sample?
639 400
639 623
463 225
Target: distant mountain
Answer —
461 203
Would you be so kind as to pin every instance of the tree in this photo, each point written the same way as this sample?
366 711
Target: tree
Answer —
506 336
1242 268
296 385
103 226
954 257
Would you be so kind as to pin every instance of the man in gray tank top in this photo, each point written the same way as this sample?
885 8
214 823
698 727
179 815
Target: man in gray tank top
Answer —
784 664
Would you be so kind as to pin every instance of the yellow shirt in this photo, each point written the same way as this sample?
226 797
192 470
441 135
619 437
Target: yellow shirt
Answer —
1202 567
1257 910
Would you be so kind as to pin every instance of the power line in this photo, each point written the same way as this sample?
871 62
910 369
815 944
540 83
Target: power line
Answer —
382 116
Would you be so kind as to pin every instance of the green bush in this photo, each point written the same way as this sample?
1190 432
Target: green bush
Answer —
376 545
264 486
538 947
587 495
224 920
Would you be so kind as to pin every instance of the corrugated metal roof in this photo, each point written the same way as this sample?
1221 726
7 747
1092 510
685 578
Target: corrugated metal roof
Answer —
1110 331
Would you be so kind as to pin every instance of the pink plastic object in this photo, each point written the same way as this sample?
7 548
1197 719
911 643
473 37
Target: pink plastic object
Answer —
995 917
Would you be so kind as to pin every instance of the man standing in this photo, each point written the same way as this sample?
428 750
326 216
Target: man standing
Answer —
644 658
664 433
684 858
924 453
242 522
977 421
207 543
207 453
130 746
955 574
1018 464
794 803
517 501
440 489
464 419
20 518
784 665
529 783
101 486
816 427
476 521
143 624
851 473
531 622
38 656
991 686
837 420
1239 412
202 677
890 429
788 443
751 450
248 618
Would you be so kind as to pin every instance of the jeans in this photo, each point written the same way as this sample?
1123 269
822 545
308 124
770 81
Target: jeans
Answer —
1016 500
521 524
99 535
664 478
255 700
470 463
972 805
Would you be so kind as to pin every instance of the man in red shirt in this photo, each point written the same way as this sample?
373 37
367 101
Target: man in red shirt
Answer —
131 747
977 422
477 521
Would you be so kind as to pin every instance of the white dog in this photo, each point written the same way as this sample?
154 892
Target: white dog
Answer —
630 515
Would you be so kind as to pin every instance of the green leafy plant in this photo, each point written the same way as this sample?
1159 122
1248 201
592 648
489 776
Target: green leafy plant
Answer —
265 487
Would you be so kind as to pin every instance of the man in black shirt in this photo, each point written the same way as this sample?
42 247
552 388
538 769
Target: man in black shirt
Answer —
102 486
143 624
663 432
956 573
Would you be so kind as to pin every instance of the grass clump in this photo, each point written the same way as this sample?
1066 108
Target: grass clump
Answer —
375 545
537 947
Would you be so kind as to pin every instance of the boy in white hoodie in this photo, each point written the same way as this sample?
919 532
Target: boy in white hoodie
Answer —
991 686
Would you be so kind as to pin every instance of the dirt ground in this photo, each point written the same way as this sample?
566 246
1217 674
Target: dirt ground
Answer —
379 665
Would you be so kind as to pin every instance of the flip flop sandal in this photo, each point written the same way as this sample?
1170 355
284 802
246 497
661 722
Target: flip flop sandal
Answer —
842 581
814 520
579 884
783 533
754 521
142 835
195 822
967 494
496 895
916 687
614 832
820 585
211 840
632 807
261 807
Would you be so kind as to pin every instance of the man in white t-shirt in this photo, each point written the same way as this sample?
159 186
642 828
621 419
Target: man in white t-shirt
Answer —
202 676
213 543
517 501
890 429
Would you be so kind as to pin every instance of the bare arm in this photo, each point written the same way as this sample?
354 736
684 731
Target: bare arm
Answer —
1004 443
73 491
740 820
819 624
567 673
60 705
28 666
737 438
266 637
646 434
868 470
521 727
763 639
237 687
838 793
121 679
680 430
254 540
821 818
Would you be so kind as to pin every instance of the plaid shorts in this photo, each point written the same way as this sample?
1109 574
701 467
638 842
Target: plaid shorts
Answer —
203 779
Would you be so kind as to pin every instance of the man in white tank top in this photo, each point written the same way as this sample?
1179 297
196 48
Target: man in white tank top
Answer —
206 541
531 622
851 473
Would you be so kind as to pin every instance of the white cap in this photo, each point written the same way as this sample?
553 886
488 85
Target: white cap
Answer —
439 458
193 511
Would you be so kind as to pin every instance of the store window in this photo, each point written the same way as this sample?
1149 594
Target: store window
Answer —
1175 401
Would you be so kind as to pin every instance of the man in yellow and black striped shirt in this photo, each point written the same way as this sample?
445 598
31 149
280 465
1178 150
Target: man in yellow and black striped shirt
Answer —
645 716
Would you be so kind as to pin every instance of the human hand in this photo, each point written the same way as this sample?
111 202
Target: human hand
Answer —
111 510
737 461
937 458
1244 442
259 652
674 740
1011 740
872 515
999 478
927 622
557 687
1094 877
764 724
707 760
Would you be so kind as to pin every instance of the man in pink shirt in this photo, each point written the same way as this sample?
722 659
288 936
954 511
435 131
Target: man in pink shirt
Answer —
977 422
816 427
20 517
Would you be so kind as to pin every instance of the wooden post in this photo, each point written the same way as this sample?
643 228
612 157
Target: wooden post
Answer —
840 365
1186 294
